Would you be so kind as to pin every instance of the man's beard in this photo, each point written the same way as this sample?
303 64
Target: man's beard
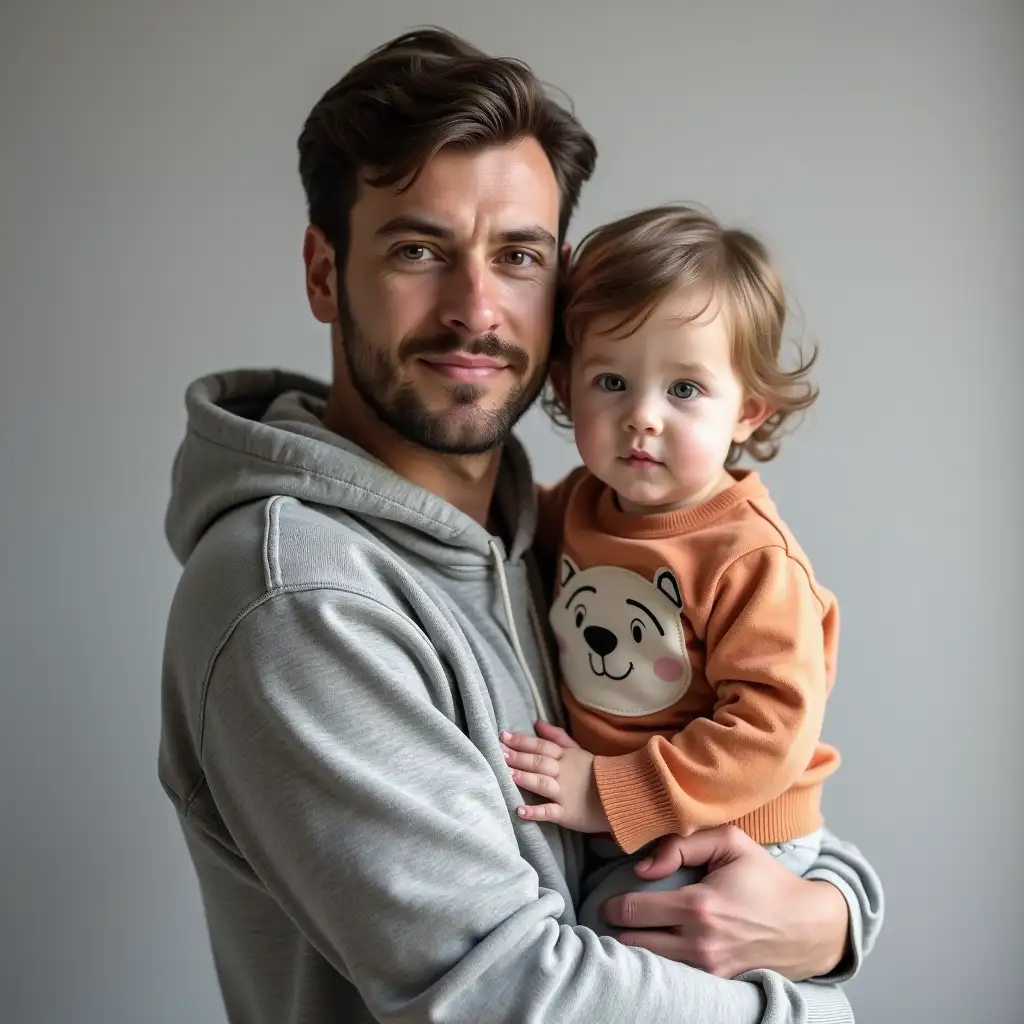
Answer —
375 375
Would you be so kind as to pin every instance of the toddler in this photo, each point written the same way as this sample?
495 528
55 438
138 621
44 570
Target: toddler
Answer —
696 647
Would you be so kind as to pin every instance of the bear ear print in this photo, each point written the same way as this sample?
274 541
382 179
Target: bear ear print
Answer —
665 581
566 571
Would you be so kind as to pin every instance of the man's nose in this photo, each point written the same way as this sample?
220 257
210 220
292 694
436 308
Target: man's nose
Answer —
469 303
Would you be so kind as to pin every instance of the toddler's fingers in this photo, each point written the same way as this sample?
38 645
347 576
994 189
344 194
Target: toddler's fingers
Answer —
537 763
556 734
542 812
542 785
531 745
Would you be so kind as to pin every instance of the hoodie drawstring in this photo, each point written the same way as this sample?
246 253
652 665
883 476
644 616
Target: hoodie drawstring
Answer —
540 639
506 601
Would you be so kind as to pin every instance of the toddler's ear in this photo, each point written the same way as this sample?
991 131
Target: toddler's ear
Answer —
753 413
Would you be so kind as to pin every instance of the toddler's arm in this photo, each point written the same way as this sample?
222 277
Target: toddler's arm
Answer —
767 662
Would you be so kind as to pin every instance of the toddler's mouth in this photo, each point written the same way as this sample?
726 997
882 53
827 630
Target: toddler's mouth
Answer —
638 459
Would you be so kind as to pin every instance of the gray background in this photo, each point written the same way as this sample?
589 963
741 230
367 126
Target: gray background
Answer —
151 221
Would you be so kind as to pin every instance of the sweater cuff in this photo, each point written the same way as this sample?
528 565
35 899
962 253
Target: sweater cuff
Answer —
826 1004
634 799
809 1004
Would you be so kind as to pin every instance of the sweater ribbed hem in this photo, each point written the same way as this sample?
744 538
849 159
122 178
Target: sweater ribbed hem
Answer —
640 810
826 1005
634 799
794 814
821 1004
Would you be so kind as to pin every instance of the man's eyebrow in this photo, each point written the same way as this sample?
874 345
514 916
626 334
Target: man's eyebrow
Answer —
406 224
535 235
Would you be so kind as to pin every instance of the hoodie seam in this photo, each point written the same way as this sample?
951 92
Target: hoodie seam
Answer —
450 531
290 588
272 544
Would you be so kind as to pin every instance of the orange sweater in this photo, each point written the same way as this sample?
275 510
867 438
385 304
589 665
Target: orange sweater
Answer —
697 652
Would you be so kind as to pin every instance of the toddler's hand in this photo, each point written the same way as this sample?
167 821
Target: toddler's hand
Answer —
554 766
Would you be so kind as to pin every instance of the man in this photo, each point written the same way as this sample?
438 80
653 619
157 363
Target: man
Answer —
359 616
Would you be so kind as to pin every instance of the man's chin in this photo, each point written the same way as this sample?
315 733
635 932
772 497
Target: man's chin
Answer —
441 400
468 431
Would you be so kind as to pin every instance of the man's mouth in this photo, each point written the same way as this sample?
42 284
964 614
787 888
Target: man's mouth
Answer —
465 368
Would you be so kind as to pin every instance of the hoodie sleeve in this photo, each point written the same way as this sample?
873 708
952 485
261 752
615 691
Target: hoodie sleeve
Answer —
330 747
843 865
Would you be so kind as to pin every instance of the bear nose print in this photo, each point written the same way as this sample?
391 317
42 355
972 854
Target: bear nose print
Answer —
600 640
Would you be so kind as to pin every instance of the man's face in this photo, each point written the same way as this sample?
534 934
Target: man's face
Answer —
447 301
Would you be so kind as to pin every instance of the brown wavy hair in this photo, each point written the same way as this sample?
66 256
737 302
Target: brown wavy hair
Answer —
415 95
623 270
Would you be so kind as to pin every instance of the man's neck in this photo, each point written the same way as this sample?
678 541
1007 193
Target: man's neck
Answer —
465 481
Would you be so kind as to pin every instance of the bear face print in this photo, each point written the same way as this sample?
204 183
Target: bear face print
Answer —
620 639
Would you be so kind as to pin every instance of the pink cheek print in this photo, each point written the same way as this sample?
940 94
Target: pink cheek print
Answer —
561 642
668 670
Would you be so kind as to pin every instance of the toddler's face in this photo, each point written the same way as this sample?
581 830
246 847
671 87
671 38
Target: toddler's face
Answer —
655 413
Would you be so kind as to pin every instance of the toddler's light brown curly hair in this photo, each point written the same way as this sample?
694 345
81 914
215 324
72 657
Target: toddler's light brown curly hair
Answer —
623 270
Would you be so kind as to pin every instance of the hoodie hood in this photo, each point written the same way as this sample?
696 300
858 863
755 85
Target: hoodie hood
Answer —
255 434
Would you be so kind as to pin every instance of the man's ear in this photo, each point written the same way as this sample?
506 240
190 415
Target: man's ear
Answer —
564 258
321 275
753 412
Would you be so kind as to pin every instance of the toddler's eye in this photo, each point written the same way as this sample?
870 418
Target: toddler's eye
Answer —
683 390
610 382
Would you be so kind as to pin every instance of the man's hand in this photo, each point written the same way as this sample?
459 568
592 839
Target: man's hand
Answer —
748 912
553 765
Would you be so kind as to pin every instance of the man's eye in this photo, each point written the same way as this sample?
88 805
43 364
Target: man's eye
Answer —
610 382
684 390
520 258
415 253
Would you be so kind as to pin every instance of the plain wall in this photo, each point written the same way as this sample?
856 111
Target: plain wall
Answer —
151 221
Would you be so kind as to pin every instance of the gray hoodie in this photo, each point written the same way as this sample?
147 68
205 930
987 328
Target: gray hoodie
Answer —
342 651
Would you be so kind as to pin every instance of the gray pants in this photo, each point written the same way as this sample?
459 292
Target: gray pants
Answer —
616 876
